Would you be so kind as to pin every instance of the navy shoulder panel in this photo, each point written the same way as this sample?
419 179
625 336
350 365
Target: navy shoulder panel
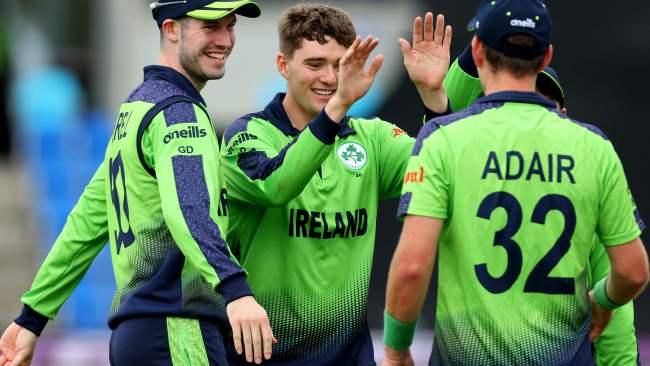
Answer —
154 91
587 126
240 125
433 125
181 112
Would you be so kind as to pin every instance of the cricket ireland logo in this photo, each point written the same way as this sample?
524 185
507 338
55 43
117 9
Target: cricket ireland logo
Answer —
353 155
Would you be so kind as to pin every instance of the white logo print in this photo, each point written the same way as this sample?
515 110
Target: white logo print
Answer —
353 155
528 23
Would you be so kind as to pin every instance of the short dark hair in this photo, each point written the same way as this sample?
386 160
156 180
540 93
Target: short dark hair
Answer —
519 67
314 22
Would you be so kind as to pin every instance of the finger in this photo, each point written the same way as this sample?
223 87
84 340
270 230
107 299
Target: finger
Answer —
351 50
375 66
428 27
440 29
248 342
236 336
364 46
268 340
417 30
406 51
446 43
370 47
257 343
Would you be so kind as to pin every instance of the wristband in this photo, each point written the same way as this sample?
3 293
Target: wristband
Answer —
601 298
397 334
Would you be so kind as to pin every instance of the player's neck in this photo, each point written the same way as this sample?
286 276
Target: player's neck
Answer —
505 81
297 116
172 62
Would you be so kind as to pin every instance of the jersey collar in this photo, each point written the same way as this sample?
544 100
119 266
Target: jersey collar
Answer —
517 97
158 72
278 117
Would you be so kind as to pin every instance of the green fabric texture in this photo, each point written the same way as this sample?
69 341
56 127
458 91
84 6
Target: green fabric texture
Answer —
186 342
493 172
305 234
618 344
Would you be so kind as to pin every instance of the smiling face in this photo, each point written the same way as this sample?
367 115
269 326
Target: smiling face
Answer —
205 46
312 75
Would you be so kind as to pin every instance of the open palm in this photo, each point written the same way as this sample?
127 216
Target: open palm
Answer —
354 79
428 60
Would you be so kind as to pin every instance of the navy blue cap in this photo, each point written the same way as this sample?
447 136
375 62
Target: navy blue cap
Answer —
202 9
548 83
496 20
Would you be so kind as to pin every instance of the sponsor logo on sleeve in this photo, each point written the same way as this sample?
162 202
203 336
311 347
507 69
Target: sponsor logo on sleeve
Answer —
398 132
414 176
191 132
235 143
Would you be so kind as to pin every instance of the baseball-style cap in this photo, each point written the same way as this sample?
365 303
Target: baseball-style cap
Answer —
202 9
496 20
548 83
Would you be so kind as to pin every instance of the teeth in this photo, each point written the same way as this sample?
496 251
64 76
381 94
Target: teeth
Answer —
323 92
216 56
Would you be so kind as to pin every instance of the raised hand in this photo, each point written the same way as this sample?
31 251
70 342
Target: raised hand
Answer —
250 326
354 80
599 318
427 62
17 346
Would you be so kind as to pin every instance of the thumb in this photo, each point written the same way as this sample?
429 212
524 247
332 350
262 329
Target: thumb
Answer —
406 50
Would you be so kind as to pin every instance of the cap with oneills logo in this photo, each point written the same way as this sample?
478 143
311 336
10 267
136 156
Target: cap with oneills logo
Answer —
202 9
496 20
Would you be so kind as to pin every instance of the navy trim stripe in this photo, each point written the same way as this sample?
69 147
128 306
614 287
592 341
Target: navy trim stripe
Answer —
587 126
433 125
148 118
194 201
181 112
639 220
257 165
404 203
239 125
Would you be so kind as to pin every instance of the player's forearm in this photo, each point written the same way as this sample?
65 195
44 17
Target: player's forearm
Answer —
407 289
461 83
84 235
629 274
254 177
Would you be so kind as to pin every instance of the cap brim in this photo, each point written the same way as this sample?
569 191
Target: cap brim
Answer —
554 82
471 26
220 9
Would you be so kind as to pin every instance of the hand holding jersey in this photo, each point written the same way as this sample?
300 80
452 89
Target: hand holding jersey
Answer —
428 60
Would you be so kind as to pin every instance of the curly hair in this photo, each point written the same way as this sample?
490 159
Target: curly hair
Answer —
314 22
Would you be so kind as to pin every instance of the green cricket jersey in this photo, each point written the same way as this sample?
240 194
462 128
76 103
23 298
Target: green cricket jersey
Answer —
617 345
522 190
160 198
303 207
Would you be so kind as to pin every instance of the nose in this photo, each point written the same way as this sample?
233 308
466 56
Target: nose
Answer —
223 39
329 75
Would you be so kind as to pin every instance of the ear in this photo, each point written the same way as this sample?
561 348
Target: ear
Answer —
282 65
548 56
478 52
563 111
171 30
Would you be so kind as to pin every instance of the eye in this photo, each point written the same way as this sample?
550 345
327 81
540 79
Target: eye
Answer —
314 65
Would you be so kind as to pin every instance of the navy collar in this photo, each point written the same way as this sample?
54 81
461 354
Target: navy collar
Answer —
278 117
158 72
517 97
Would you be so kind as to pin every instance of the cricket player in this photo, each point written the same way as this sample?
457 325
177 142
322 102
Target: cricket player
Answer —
159 197
617 345
512 193
304 181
